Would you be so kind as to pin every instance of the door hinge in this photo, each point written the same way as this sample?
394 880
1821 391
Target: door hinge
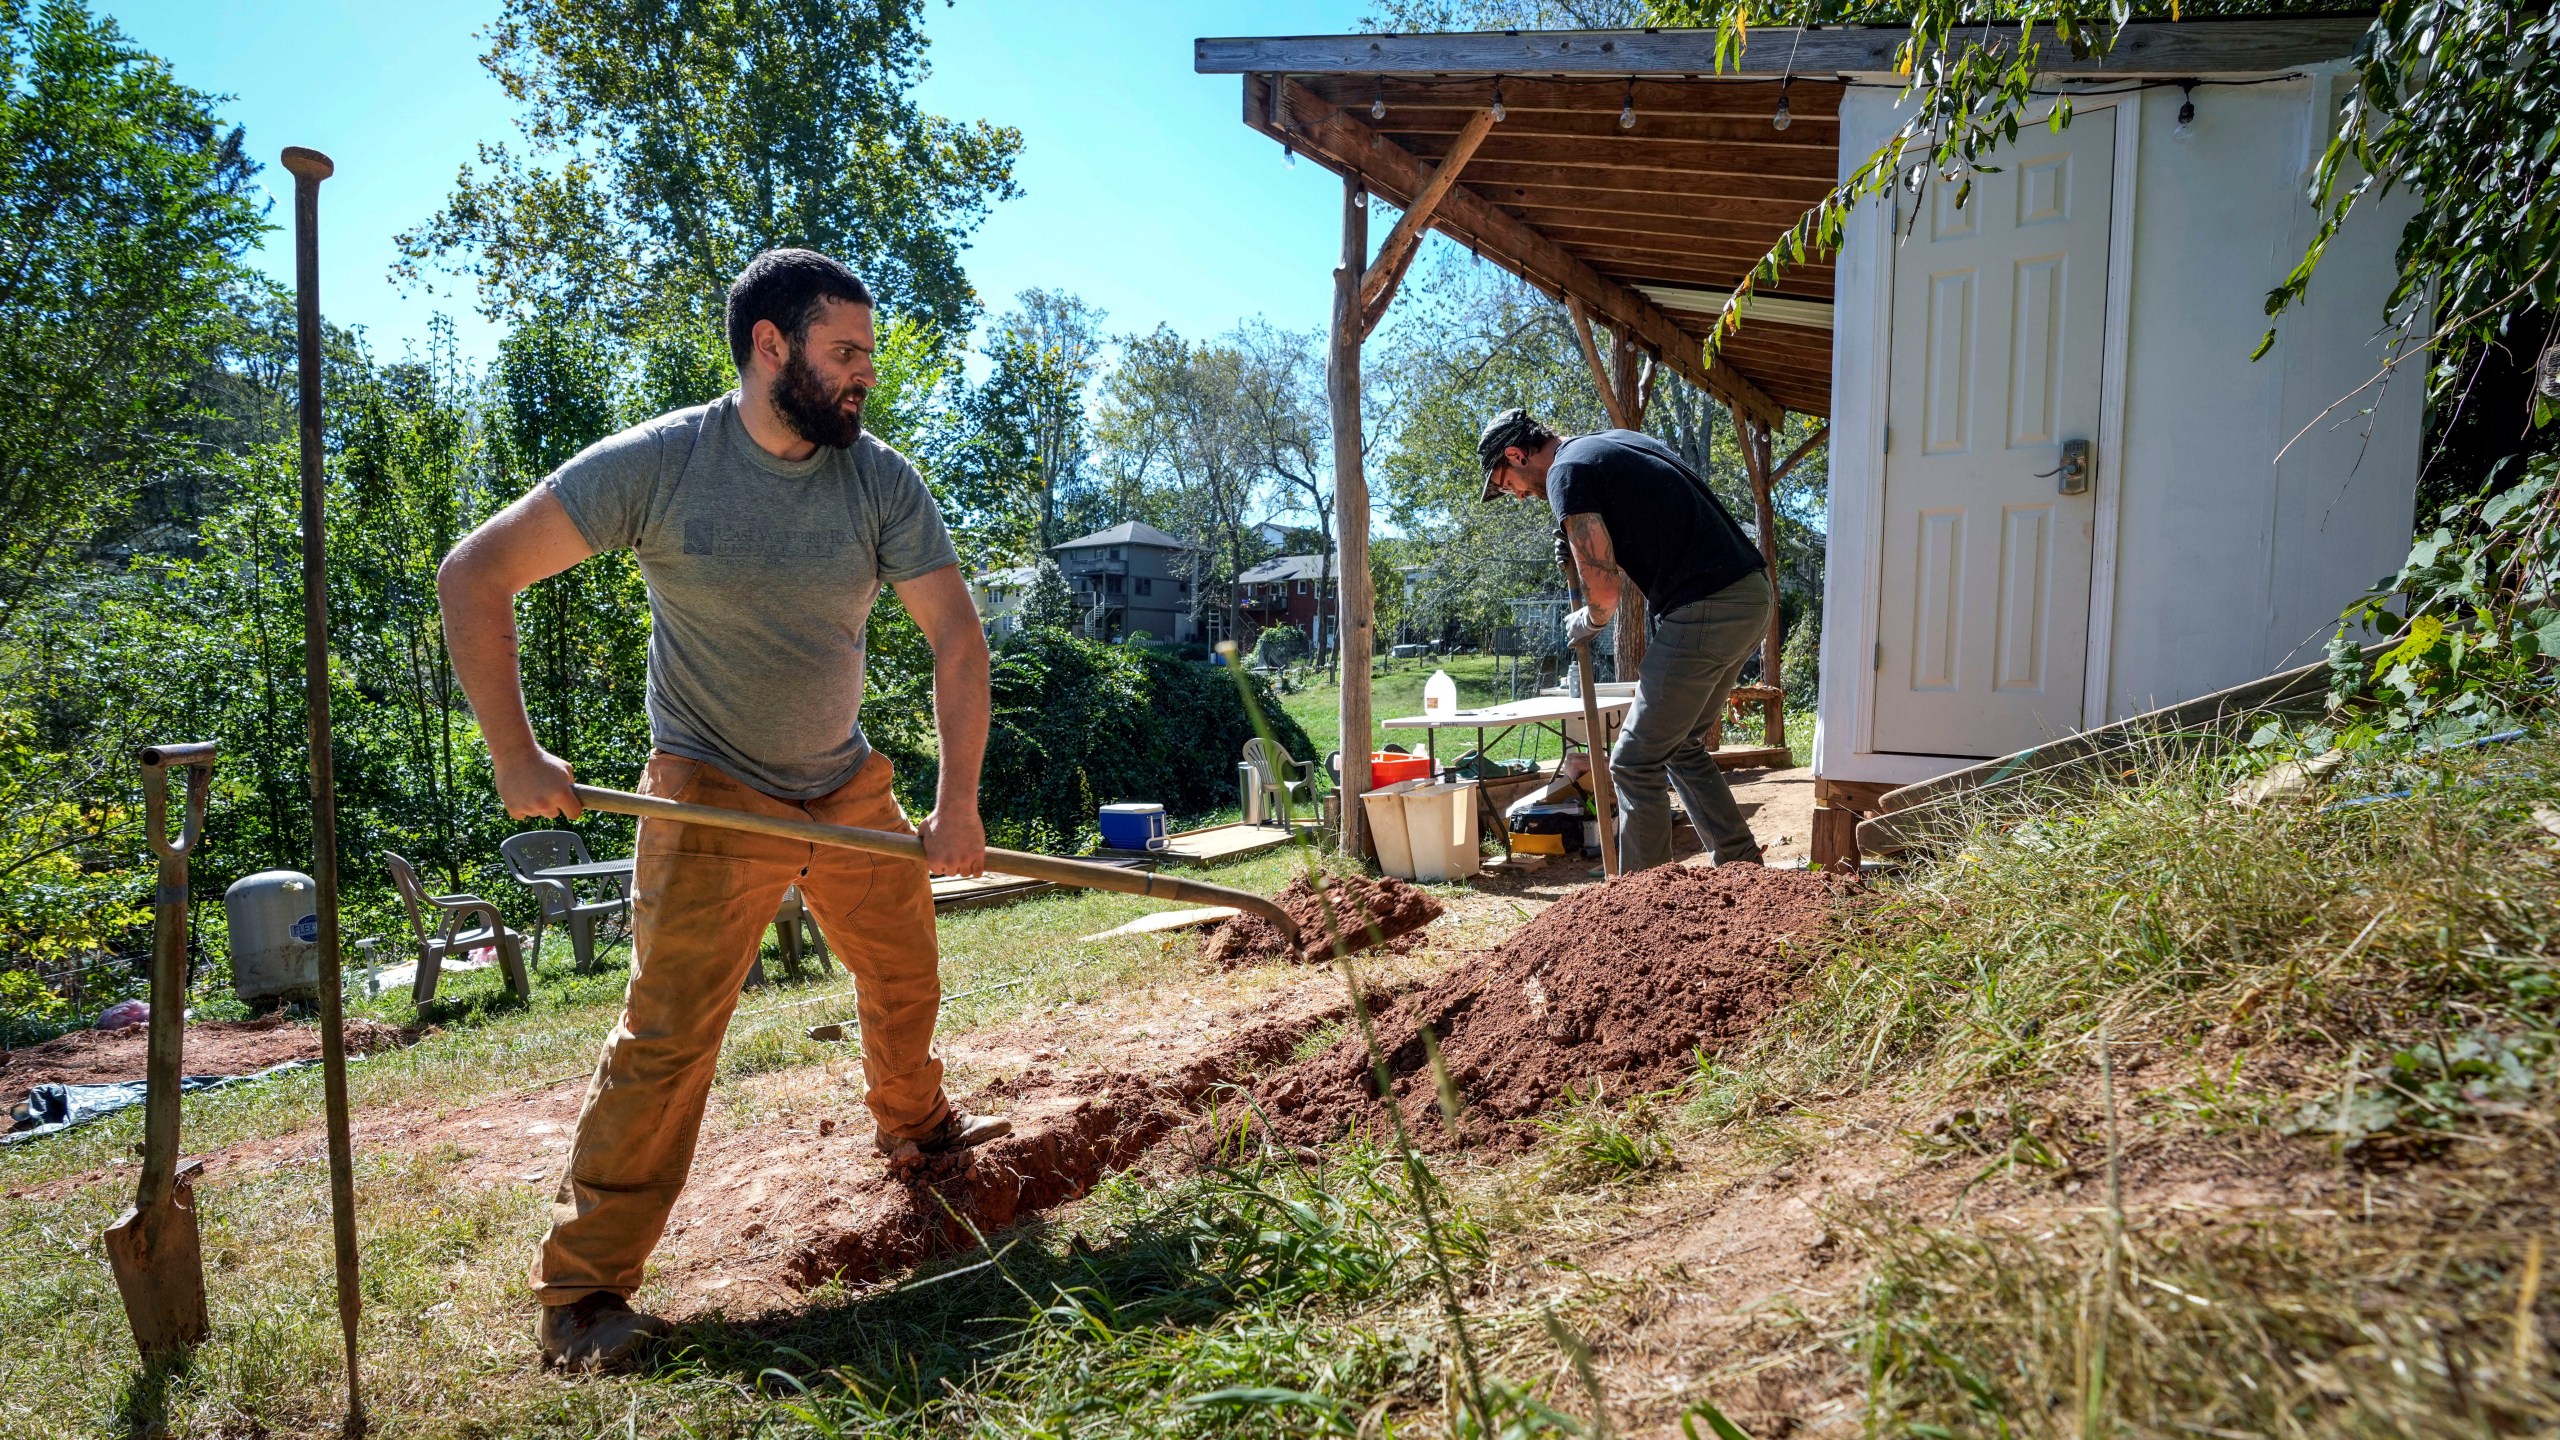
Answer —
1879 655
1888 439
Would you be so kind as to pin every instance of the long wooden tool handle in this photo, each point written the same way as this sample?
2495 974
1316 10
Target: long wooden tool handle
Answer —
1602 791
1603 794
1083 874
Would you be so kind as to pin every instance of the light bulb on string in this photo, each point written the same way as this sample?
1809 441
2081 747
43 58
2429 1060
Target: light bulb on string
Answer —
1500 113
1378 106
1627 111
2186 128
1785 116
1289 156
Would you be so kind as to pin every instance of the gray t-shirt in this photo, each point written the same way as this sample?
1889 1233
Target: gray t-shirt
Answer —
761 577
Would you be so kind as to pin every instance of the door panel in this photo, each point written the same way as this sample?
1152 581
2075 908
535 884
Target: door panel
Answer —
1998 309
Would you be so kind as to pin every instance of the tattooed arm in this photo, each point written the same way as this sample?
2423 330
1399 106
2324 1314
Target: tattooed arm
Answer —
1603 583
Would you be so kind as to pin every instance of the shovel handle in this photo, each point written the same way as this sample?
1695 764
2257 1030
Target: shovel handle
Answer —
1603 793
1083 874
165 1047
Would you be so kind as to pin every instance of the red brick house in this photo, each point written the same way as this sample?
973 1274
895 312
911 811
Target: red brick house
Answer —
1285 591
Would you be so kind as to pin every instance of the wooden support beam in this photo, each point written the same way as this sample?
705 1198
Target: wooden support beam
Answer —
1756 463
1395 253
1623 394
1344 145
1811 443
1356 605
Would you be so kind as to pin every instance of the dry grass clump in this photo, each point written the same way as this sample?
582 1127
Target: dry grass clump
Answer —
2421 1322
2164 912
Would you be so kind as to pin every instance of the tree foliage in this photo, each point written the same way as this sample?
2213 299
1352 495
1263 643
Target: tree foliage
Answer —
665 144
124 208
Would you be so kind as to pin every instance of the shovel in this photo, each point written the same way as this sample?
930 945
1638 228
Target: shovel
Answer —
158 1263
1603 794
1083 874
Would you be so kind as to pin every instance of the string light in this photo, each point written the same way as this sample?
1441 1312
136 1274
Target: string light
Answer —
1499 112
1289 156
1785 116
2186 110
1627 111
1378 106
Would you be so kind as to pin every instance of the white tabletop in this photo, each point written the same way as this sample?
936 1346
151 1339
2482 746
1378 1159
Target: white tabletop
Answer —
1545 710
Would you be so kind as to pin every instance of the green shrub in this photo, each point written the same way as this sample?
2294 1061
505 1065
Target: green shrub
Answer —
1079 724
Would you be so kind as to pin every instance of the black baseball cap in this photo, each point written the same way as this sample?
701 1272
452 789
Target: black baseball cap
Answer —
1503 431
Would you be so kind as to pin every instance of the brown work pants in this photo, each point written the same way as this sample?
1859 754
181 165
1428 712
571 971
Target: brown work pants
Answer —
702 900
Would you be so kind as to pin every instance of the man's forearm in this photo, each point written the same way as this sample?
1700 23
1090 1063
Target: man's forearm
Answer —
480 635
960 708
1596 561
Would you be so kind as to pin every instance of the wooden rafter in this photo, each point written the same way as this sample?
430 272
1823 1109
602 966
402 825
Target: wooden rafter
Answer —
2160 49
1395 253
1320 129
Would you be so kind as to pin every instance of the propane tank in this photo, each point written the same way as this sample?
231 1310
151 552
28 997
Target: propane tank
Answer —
275 934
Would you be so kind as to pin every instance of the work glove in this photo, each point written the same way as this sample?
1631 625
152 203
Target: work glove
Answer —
1580 626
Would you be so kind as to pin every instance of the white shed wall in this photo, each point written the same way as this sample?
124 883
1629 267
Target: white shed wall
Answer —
2217 561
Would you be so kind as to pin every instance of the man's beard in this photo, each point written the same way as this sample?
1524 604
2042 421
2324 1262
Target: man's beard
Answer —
816 414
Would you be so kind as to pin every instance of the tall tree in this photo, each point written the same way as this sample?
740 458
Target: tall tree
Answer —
124 209
665 143
1050 345
1280 400
1169 411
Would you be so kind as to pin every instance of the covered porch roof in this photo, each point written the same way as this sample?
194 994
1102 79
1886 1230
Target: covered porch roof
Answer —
1645 227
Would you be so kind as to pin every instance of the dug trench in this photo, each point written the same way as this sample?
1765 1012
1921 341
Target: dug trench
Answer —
787 1193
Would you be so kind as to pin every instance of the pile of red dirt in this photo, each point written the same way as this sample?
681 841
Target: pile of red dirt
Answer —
1370 914
104 1057
1620 986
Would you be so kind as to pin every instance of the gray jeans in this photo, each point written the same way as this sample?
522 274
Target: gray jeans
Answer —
1689 669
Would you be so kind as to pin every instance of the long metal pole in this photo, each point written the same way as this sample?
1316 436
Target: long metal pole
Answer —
309 168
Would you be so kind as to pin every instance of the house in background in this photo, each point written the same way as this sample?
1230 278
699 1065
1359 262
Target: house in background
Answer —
1291 590
1129 579
1000 594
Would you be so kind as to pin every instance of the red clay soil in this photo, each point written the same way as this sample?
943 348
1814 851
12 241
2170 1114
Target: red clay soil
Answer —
1370 913
1620 985
103 1057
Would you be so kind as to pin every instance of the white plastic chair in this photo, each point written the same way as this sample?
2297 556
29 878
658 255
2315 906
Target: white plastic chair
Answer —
450 938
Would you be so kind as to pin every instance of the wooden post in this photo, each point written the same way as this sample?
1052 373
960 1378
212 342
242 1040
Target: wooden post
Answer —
1623 395
1628 412
1756 459
1351 507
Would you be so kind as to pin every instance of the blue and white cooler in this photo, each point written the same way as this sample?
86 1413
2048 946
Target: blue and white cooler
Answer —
1135 826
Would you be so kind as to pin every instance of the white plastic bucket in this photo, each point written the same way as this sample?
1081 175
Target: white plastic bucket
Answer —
1385 808
1440 831
1425 830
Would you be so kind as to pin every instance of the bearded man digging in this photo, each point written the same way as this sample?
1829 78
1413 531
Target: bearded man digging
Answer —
765 523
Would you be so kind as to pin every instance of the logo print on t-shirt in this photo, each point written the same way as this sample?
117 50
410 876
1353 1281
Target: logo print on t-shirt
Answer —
745 539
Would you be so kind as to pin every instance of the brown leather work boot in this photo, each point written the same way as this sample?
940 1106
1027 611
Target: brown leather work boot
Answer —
959 1130
595 1332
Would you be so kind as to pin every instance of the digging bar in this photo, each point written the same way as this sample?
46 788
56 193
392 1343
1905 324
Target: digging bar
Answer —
153 1247
1603 793
1083 874
309 168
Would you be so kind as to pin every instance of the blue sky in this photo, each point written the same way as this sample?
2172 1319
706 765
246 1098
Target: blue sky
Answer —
1144 193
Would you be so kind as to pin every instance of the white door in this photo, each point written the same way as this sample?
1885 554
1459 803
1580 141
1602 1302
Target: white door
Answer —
1998 307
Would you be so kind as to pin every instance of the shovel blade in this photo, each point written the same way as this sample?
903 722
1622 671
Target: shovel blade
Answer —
159 1265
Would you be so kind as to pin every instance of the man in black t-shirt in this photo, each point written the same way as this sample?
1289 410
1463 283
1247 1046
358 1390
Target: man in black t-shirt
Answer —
1634 513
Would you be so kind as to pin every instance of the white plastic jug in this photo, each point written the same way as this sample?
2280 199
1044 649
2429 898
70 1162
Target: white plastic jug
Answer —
1439 696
